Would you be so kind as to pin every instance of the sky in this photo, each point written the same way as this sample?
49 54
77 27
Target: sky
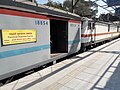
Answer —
100 10
45 1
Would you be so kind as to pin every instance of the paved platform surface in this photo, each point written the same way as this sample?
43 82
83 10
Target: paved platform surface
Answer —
97 69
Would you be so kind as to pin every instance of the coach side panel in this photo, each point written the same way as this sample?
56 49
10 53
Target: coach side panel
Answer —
102 32
114 31
18 58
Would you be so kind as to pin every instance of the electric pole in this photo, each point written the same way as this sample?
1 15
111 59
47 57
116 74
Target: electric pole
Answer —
73 3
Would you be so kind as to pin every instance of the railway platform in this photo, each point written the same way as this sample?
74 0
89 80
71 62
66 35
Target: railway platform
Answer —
96 69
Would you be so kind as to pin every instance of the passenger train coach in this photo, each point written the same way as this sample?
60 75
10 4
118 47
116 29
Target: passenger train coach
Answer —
32 36
97 32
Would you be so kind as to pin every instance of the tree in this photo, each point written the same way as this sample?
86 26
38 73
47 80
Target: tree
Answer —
54 4
81 7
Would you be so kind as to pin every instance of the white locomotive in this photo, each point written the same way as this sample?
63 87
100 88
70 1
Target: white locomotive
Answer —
95 32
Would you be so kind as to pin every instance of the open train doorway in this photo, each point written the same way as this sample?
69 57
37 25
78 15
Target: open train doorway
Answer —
58 36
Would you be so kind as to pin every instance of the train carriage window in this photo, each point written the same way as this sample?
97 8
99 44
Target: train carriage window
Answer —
89 25
117 28
81 24
108 27
93 26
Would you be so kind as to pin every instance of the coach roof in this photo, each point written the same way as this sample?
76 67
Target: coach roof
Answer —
39 9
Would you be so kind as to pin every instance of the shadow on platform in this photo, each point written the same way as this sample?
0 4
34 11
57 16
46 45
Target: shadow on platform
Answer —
78 59
113 52
113 82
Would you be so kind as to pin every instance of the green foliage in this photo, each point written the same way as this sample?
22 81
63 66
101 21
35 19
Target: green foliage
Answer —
81 7
55 4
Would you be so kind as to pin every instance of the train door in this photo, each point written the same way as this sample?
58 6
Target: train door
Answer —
91 27
94 31
59 36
